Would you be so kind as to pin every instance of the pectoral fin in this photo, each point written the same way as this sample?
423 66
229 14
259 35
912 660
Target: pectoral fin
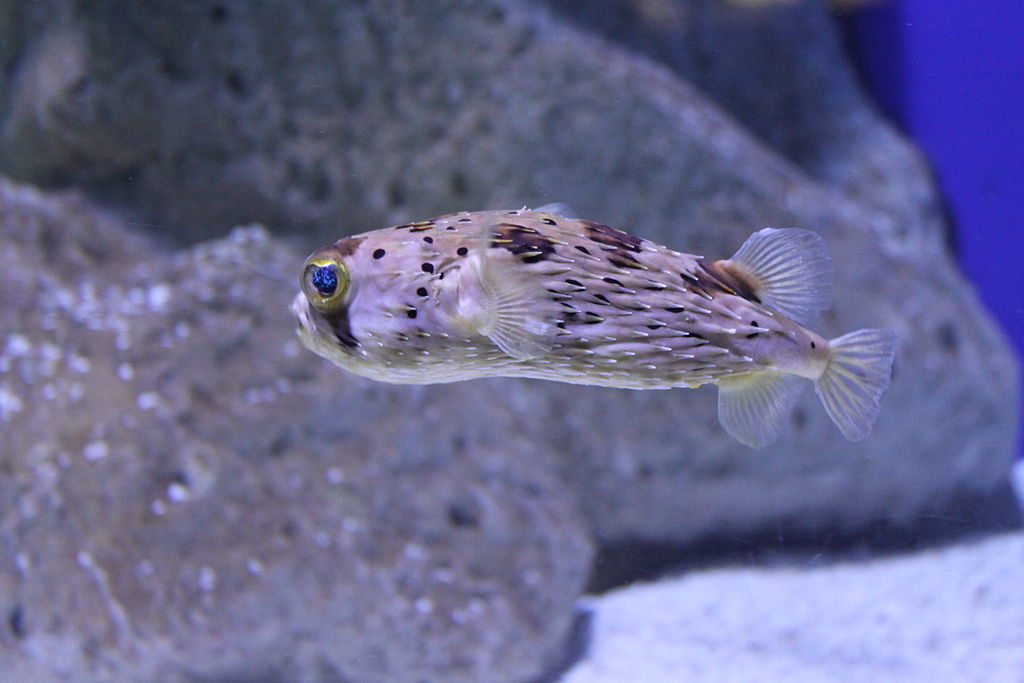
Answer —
501 300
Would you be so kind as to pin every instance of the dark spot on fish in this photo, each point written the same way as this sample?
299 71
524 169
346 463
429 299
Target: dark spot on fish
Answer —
723 277
613 281
427 267
440 276
574 283
465 220
422 291
549 221
655 326
799 419
813 345
411 313
450 227
754 324
611 237
560 324
583 249
675 309
428 239
346 246
754 334
402 337
342 328
378 253
462 251
626 263
602 298
591 318
420 226
522 240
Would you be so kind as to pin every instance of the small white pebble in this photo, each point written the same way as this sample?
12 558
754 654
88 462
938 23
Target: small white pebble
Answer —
125 372
144 568
414 551
79 363
84 559
49 392
157 297
181 329
147 400
17 345
424 605
50 352
178 493
207 578
290 348
335 476
24 562
9 402
96 450
158 507
254 566
351 524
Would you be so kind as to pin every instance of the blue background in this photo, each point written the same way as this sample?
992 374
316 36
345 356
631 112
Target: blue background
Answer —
951 74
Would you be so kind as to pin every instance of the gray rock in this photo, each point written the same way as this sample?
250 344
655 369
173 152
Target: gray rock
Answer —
189 496
780 70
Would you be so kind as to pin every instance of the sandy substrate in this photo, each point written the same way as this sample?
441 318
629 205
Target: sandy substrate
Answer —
952 613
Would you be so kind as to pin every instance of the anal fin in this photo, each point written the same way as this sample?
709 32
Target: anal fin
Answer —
752 407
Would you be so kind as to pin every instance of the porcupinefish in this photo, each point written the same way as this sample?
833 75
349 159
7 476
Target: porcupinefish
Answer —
534 294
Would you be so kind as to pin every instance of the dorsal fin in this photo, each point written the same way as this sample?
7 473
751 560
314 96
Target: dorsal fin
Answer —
788 270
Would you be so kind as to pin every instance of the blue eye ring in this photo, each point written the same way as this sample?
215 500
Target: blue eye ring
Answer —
325 282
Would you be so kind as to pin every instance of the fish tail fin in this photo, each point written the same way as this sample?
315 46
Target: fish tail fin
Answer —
752 407
858 372
787 269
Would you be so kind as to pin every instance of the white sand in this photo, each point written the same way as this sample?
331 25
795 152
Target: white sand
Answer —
945 614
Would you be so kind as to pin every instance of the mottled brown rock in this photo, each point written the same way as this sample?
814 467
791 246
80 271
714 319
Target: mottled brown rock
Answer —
190 496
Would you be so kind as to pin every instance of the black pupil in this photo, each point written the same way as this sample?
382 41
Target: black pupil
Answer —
325 279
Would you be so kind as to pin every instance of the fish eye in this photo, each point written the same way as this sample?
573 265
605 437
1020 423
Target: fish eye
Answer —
324 282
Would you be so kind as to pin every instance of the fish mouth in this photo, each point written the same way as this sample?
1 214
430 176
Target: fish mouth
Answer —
300 307
315 332
307 327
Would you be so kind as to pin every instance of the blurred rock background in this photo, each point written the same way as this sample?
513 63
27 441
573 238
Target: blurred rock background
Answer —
188 495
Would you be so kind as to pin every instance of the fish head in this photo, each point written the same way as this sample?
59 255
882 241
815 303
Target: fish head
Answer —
329 283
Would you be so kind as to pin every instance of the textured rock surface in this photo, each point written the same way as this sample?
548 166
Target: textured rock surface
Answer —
321 119
780 70
188 497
